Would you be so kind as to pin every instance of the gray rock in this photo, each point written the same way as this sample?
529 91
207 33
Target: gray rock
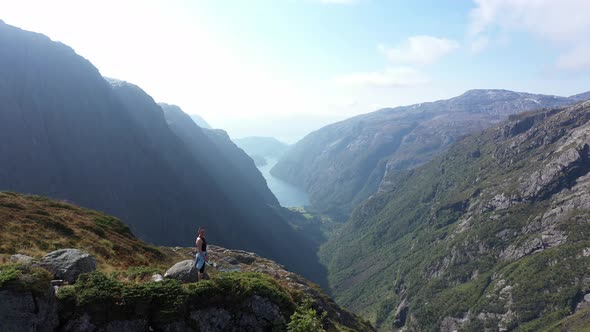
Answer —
212 319
83 323
264 309
24 311
68 264
585 303
21 259
184 271
401 314
157 277
127 325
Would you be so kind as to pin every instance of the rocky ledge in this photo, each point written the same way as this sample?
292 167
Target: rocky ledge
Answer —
63 291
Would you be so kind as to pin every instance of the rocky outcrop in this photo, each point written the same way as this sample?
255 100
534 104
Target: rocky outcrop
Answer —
68 264
256 314
27 311
226 309
184 271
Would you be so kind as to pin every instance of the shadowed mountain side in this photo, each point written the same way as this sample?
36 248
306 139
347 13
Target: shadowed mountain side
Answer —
234 170
66 133
245 186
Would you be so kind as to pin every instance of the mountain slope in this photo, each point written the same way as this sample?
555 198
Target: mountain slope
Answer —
67 133
267 147
581 96
342 164
492 234
200 121
230 166
121 294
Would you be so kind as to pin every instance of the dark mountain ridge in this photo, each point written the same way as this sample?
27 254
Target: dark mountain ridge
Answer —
491 235
344 163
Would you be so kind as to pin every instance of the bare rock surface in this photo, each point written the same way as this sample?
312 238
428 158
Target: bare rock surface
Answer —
68 264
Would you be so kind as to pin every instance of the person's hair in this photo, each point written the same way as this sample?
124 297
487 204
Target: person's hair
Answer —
200 229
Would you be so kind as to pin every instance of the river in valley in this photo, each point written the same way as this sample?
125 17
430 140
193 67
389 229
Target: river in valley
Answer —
287 194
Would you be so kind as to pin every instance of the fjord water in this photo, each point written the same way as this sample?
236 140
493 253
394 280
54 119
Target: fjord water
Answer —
287 194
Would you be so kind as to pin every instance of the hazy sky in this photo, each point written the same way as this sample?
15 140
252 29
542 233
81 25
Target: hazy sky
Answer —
286 67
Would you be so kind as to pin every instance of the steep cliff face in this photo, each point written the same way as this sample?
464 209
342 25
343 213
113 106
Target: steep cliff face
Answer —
342 164
258 209
124 290
69 134
490 235
234 171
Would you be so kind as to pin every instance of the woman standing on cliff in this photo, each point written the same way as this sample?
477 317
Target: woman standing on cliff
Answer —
202 257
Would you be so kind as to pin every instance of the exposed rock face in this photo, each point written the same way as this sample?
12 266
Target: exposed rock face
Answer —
68 264
342 164
257 314
184 271
26 311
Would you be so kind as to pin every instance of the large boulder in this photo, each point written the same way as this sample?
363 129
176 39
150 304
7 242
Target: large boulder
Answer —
68 264
184 271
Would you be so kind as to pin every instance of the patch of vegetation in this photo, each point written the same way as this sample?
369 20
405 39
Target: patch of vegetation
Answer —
306 318
168 299
112 223
578 322
137 273
22 278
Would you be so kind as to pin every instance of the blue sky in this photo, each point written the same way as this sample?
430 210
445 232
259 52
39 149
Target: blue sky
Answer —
285 67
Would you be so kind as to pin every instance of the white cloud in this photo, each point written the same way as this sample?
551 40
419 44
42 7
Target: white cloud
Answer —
390 77
420 50
562 22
